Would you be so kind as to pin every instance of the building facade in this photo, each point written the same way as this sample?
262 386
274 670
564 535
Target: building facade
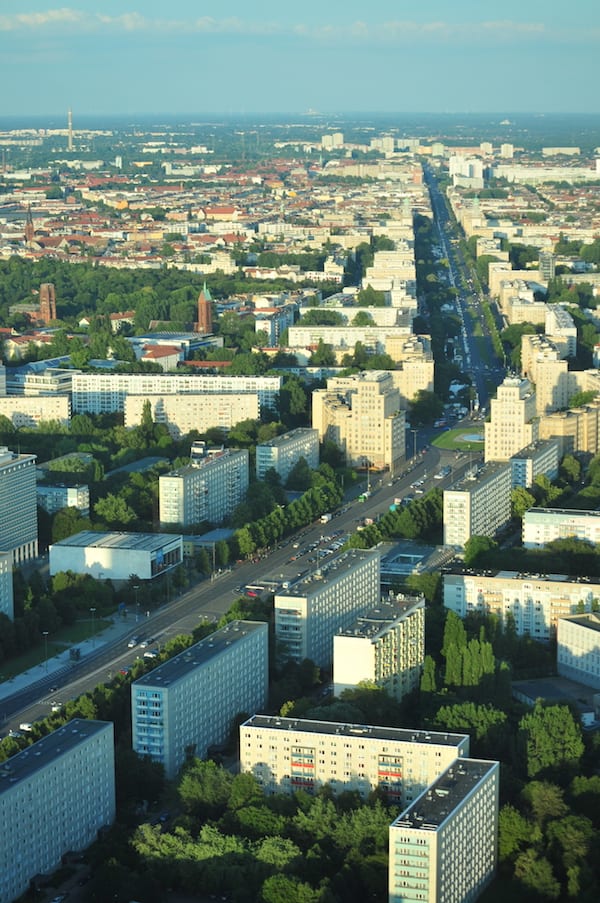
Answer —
6 585
535 602
512 425
18 506
189 702
289 754
385 646
578 648
30 411
199 412
544 525
116 556
55 498
443 847
282 453
542 457
362 415
55 797
313 610
208 490
478 505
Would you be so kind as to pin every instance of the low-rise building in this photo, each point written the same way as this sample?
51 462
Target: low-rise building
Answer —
289 754
188 703
282 453
444 845
55 498
55 796
116 556
385 646
544 525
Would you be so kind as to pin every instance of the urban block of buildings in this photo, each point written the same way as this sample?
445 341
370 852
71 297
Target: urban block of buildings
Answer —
385 646
311 611
188 703
55 796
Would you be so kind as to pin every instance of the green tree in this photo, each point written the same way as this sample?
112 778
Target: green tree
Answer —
114 511
550 740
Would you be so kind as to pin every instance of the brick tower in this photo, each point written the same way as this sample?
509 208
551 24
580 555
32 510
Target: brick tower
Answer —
29 227
204 324
47 302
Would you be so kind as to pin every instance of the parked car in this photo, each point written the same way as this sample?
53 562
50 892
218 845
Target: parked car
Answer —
133 642
152 653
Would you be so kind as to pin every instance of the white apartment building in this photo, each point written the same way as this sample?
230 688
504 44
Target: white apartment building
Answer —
208 490
479 505
541 457
189 702
283 452
544 525
578 648
55 796
386 646
362 415
6 585
560 327
102 393
289 754
30 411
512 424
200 412
55 498
535 601
116 556
313 610
39 379
443 847
18 507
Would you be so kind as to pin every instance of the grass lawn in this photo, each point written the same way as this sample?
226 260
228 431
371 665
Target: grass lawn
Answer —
66 636
462 439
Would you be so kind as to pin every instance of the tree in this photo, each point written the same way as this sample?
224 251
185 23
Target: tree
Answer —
67 522
550 740
476 547
115 511
300 476
521 501
425 408
535 873
363 318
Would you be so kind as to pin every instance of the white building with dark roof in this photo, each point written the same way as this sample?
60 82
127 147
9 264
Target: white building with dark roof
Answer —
116 556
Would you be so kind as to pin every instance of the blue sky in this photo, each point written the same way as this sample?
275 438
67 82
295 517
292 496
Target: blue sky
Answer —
190 56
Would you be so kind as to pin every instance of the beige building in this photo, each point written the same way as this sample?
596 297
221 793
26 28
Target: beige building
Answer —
182 414
30 411
578 648
286 755
535 602
362 414
576 430
477 506
512 424
443 847
544 365
385 646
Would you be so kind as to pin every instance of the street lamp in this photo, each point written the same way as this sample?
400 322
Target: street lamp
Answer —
45 635
414 432
137 604
93 612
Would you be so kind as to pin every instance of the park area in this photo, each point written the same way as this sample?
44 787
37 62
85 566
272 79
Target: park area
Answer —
466 438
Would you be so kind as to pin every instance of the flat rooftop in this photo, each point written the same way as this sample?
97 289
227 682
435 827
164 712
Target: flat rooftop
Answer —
330 569
277 441
26 763
380 618
442 797
461 571
146 542
333 728
210 647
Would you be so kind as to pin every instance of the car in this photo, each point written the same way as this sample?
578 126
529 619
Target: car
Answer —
124 670
53 689
56 706
152 653
26 726
148 642
133 642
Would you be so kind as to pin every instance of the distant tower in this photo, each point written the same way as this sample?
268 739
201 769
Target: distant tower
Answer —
70 139
47 302
204 324
29 227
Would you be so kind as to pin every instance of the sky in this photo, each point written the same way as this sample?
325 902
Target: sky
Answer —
274 56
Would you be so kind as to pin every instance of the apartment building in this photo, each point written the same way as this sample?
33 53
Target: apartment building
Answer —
576 430
543 363
386 646
188 703
200 412
283 452
443 847
55 498
544 525
512 424
578 648
207 490
102 393
18 507
289 754
540 457
561 328
534 601
343 338
479 505
6 585
55 796
362 415
314 609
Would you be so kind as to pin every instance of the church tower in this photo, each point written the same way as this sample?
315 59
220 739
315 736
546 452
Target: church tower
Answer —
204 324
47 302
29 227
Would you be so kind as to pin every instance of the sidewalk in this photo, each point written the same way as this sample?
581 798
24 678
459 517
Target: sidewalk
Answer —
61 664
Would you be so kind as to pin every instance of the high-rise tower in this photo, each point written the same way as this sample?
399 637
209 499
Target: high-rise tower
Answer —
204 324
47 302
70 131
29 227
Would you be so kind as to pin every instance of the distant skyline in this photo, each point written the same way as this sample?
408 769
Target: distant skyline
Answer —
102 57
